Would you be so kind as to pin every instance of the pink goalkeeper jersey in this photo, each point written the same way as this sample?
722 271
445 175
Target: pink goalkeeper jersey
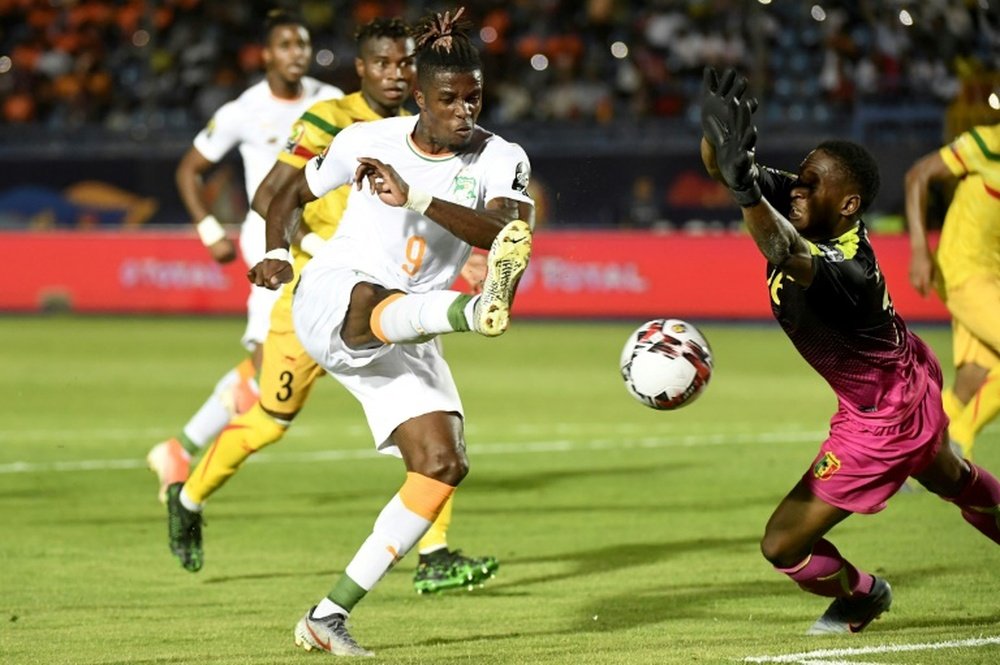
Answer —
844 325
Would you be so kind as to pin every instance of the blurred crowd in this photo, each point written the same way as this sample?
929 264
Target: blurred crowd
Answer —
171 63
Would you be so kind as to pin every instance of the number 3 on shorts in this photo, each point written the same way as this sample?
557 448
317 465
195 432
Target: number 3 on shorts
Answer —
285 393
415 248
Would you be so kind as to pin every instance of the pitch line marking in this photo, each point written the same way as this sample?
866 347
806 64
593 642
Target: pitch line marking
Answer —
824 656
496 448
556 429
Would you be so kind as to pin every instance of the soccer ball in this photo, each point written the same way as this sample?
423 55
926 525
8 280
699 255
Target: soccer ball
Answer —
666 363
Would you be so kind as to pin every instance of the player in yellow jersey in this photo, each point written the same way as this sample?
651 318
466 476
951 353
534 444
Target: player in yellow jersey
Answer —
385 66
255 122
967 270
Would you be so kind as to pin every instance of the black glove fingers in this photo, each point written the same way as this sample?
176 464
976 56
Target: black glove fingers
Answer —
728 78
710 80
739 87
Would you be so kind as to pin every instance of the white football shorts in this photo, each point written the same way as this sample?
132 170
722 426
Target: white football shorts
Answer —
393 382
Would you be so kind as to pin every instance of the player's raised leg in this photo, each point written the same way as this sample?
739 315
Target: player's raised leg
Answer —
506 262
416 317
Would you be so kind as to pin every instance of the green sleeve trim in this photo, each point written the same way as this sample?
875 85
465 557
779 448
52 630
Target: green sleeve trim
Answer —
317 121
990 155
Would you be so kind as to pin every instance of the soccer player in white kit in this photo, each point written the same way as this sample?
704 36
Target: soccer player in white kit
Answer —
257 122
370 303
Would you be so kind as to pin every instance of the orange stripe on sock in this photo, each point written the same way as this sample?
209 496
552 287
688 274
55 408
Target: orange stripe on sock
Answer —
375 322
424 496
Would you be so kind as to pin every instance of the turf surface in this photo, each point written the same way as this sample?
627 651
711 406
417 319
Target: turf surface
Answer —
625 535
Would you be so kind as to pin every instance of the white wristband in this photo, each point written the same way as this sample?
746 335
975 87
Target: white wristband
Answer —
278 254
210 231
418 201
312 243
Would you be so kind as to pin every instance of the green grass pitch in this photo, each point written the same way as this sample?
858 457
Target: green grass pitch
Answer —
625 535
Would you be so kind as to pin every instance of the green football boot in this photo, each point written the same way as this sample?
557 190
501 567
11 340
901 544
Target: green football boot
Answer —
184 528
445 569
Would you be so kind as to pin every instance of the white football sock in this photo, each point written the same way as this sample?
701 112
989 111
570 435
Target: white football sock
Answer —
416 317
326 607
206 424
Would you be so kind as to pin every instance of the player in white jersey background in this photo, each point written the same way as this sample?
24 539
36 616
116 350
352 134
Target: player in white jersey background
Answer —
371 302
257 122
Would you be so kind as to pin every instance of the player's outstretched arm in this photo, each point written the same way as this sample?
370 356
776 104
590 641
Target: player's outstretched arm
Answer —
918 177
476 227
189 184
720 97
276 267
775 236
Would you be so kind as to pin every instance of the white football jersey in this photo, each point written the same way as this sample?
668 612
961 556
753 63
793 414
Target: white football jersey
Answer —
259 123
399 248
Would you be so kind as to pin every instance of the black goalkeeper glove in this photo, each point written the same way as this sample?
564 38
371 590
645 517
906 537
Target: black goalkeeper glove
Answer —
718 101
727 125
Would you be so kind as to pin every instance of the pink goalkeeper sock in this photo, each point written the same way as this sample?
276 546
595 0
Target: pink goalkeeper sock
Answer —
980 502
825 573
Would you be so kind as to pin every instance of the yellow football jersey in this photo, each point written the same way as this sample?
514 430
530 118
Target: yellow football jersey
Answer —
310 136
970 239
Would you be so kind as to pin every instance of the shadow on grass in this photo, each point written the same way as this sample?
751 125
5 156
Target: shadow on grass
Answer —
276 575
629 611
529 480
599 561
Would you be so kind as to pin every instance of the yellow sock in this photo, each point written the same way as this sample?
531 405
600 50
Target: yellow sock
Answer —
972 417
952 405
243 436
981 409
437 536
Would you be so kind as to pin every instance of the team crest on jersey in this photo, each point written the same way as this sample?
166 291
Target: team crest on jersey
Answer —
298 129
826 467
521 176
322 156
464 190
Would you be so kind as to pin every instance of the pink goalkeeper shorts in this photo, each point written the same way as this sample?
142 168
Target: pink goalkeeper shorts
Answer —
859 466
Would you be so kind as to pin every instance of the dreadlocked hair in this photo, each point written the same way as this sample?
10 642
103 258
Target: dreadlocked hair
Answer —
276 18
443 45
859 166
391 28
